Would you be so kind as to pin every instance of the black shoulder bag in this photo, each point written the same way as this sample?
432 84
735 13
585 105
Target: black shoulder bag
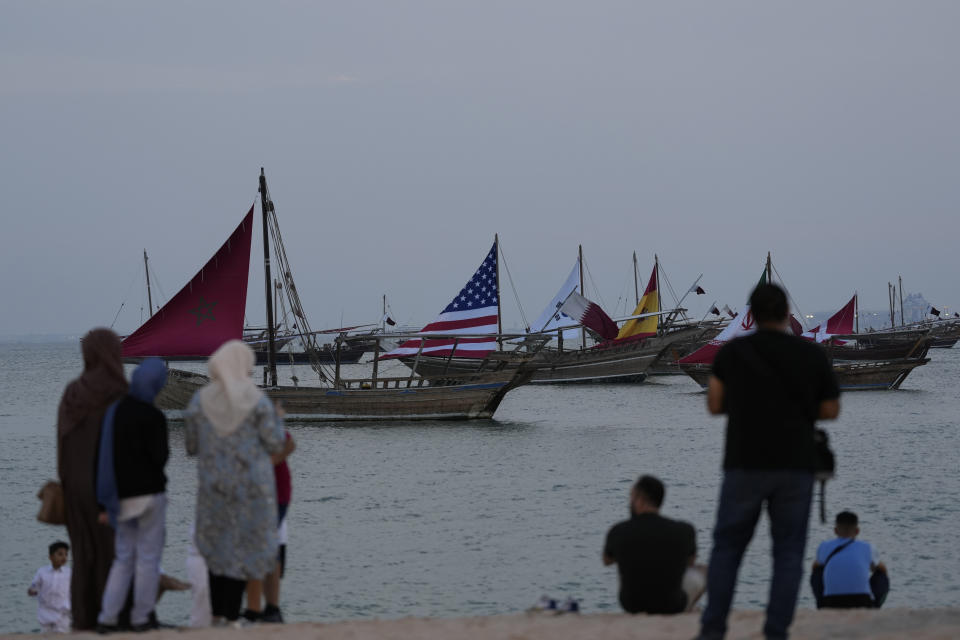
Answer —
816 576
824 462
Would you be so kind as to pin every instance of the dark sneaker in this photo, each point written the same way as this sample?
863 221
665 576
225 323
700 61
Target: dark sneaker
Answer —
104 629
149 625
272 614
251 615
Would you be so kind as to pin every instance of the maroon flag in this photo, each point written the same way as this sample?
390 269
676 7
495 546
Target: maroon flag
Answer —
934 311
795 326
700 291
842 321
590 315
715 311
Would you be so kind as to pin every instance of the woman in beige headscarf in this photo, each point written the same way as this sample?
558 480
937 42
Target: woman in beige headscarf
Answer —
79 416
233 429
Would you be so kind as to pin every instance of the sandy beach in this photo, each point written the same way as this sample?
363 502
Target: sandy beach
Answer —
922 624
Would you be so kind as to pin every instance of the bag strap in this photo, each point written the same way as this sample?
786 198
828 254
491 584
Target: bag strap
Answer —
838 550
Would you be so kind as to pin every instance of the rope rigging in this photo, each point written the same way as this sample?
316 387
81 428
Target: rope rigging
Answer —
516 296
304 330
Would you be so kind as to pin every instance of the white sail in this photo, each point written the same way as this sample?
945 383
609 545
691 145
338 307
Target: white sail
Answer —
551 317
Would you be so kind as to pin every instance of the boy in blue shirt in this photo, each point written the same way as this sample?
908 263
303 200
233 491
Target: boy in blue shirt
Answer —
851 573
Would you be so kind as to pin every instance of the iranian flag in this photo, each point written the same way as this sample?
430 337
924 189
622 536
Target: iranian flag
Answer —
590 315
742 324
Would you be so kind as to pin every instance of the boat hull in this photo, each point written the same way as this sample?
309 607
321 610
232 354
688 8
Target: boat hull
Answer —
626 362
851 376
326 355
385 399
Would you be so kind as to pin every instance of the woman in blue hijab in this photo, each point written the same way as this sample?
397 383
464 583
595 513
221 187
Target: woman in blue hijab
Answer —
131 487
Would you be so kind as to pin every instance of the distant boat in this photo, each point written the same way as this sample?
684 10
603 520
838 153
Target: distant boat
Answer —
856 367
209 310
623 359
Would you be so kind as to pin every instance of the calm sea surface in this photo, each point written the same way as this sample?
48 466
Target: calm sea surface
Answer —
456 519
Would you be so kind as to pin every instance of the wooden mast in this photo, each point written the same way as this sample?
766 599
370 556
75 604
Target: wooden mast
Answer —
266 206
900 280
147 270
769 269
636 287
856 312
583 332
496 256
656 270
890 297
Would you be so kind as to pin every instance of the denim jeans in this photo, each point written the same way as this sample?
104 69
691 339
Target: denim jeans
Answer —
787 495
138 544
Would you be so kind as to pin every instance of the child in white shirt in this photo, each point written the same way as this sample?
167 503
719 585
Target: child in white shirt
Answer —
51 586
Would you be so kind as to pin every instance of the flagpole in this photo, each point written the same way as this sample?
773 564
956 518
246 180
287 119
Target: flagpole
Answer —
583 332
769 269
636 289
496 248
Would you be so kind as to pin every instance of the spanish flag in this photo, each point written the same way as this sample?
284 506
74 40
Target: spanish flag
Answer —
649 303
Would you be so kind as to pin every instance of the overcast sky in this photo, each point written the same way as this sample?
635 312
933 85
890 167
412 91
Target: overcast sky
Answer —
398 137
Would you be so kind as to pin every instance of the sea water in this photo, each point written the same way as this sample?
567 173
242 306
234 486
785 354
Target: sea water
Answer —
484 517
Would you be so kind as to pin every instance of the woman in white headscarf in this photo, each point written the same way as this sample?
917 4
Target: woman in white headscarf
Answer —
233 429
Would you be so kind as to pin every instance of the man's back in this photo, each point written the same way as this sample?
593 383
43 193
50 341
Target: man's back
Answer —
848 572
652 553
773 386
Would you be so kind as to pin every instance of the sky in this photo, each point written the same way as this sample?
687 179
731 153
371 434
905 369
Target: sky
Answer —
398 137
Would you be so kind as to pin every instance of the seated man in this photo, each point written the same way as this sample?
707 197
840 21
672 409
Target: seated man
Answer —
852 577
654 555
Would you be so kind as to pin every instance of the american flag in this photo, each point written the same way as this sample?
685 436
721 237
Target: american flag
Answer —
472 311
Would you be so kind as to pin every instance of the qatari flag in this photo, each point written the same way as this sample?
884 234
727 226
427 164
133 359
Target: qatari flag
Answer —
207 312
472 311
590 315
935 311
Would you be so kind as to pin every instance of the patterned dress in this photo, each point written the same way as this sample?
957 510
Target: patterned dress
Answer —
236 521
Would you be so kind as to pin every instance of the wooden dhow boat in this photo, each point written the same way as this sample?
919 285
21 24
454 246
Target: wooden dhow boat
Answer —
853 372
209 310
622 355
851 375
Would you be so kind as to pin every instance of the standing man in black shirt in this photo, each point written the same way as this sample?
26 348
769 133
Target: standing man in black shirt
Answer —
653 554
773 387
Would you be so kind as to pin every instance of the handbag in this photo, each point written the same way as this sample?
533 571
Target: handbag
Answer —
824 466
53 510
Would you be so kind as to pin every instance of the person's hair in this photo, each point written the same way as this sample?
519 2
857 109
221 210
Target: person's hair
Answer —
651 488
59 544
768 303
847 520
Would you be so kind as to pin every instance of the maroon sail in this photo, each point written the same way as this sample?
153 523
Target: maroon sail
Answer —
207 312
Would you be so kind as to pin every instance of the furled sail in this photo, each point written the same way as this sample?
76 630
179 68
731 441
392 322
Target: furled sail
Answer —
207 312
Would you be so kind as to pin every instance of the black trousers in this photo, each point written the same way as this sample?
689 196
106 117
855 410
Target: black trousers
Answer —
226 595
849 601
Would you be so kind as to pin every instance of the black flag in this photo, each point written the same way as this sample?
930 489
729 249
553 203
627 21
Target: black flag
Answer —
935 311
